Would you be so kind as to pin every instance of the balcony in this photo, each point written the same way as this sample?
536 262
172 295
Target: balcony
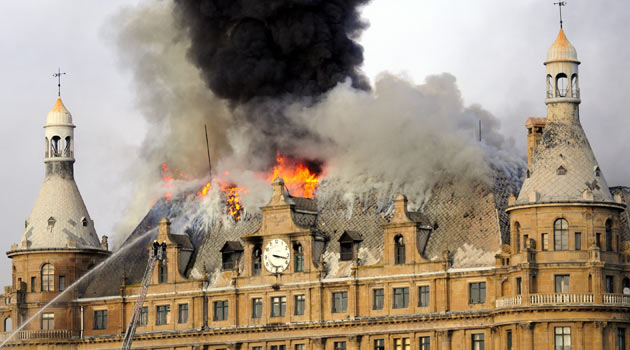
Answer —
562 299
44 334
617 299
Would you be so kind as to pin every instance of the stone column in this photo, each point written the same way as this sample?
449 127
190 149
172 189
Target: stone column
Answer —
527 338
445 339
598 336
495 333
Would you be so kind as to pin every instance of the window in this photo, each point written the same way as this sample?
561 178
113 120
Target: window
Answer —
257 308
48 278
578 241
598 240
519 285
298 253
517 236
401 298
346 251
379 344
62 283
508 340
143 317
221 310
256 261
425 343
300 304
562 283
278 306
300 346
477 341
561 235
610 284
256 347
545 241
477 293
401 344
526 241
163 314
100 319
162 273
48 321
278 347
33 283
339 302
621 339
609 236
339 345
182 315
563 338
399 250
378 299
424 296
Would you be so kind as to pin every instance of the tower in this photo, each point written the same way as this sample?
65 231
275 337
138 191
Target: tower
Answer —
59 243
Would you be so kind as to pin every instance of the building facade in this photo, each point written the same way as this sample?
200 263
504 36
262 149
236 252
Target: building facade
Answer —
545 269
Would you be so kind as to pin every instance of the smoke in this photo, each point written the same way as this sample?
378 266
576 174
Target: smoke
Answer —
395 137
250 48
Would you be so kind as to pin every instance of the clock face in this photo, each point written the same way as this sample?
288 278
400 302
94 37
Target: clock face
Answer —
277 256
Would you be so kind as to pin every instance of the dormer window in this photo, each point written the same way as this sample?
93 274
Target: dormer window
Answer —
84 222
561 170
298 253
399 250
51 222
348 245
256 260
230 254
598 172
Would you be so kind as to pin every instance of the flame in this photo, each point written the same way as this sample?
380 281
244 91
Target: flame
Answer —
232 195
298 178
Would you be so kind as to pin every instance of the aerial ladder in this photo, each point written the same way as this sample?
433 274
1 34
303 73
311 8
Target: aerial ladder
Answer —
157 254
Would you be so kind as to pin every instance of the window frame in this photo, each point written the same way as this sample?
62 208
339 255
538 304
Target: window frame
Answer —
143 316
162 272
162 313
478 341
379 344
399 250
298 253
100 319
400 298
278 306
475 294
339 302
559 281
424 296
299 304
378 299
560 336
221 310
339 345
182 313
47 277
47 321
257 307
424 343
560 234
578 240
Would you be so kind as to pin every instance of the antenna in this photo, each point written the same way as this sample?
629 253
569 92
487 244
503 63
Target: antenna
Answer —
58 76
560 4
208 149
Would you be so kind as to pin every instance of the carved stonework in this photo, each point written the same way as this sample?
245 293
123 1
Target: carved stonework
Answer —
506 249
625 247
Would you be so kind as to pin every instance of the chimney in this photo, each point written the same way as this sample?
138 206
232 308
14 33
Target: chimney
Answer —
535 127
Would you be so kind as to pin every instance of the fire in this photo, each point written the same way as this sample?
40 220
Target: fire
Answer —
232 195
298 178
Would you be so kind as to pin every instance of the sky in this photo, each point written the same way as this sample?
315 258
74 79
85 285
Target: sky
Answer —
495 49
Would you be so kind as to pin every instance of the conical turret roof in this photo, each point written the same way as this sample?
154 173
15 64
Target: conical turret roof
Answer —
562 50
59 115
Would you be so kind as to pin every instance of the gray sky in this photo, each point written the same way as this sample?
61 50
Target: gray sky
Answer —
494 48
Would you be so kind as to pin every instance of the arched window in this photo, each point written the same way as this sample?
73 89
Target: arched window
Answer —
399 250
575 89
8 324
162 272
84 222
66 149
256 261
517 236
561 85
298 253
609 236
549 86
561 235
48 278
55 146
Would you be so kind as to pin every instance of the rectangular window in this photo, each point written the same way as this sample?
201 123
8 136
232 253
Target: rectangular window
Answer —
162 273
143 318
339 345
162 314
33 283
477 292
339 302
62 283
425 343
278 306
519 285
578 241
621 339
378 299
257 308
598 240
278 347
562 283
478 341
401 298
300 305
610 284
379 344
525 241
545 241
182 315
300 346
508 340
48 320
100 319
346 251
402 344
562 338
424 296
221 310
256 347
609 240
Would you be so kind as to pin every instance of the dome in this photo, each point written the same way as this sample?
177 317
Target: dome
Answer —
59 115
562 50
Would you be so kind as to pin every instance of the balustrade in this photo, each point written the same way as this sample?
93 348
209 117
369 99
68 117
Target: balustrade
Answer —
45 334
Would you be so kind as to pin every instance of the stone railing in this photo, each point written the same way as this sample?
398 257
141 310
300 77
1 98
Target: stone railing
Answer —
616 299
509 301
45 334
560 298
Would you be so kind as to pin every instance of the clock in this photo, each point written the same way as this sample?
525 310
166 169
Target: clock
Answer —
277 256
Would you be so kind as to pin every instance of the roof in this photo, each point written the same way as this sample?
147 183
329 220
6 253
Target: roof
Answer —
353 236
59 115
562 50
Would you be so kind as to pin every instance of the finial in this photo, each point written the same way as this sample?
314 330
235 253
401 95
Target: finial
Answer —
58 76
560 4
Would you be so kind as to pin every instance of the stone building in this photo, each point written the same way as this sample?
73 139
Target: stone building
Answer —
479 268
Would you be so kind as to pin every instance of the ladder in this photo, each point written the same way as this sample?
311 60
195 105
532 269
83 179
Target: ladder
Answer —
158 253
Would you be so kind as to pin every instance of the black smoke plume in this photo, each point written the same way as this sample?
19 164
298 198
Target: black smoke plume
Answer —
269 48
